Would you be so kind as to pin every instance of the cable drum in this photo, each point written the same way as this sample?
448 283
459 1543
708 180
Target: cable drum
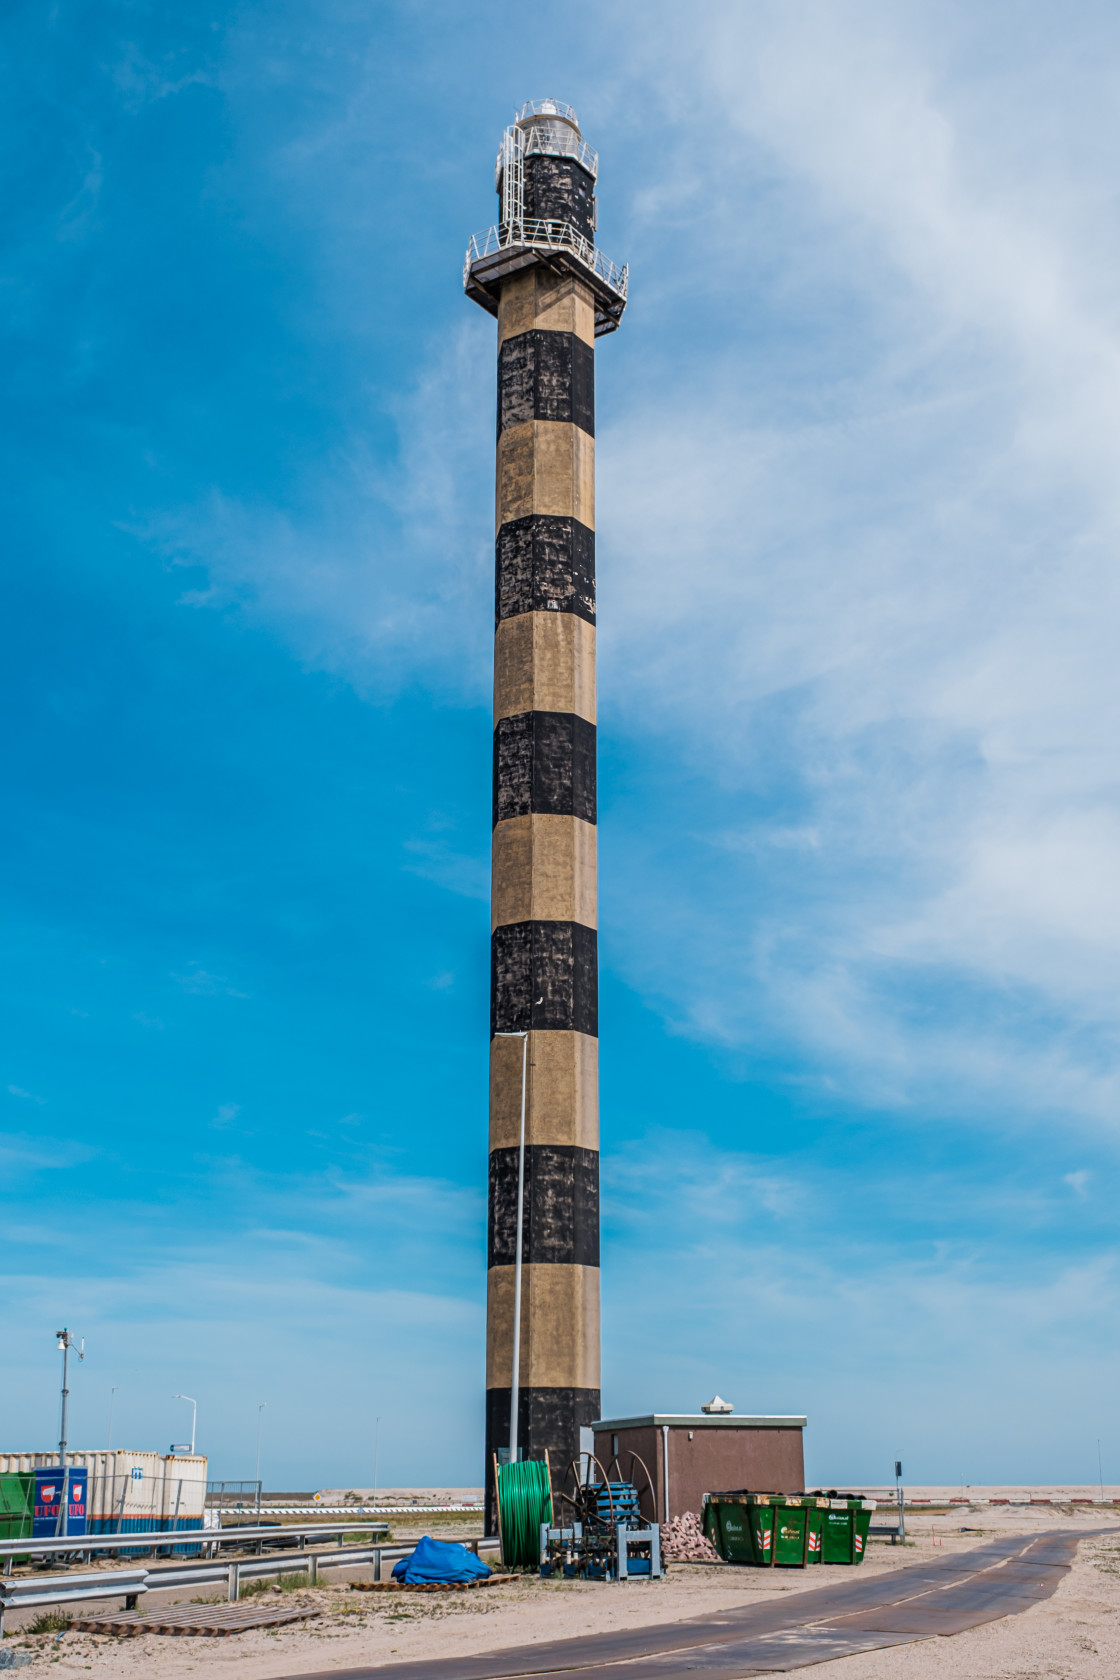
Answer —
524 1503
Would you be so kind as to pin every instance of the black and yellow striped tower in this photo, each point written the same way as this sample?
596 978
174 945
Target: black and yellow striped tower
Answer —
553 293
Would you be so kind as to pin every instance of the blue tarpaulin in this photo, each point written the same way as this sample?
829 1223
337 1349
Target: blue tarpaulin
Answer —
439 1560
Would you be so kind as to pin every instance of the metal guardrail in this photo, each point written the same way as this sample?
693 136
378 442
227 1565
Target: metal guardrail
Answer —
371 1510
546 236
39 1591
207 1539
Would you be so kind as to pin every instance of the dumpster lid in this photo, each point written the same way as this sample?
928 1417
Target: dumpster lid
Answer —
850 1501
744 1496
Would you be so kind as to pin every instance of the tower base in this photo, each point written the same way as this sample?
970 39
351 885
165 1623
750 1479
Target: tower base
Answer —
548 1419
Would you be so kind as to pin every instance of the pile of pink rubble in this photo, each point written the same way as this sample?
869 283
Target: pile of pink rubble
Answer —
683 1541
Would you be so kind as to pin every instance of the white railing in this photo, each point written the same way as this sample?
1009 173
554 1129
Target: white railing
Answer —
547 108
546 236
549 139
556 139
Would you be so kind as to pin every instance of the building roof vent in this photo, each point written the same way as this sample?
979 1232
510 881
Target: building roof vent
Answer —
715 1404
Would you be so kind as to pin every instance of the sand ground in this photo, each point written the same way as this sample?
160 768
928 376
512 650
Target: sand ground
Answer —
1076 1633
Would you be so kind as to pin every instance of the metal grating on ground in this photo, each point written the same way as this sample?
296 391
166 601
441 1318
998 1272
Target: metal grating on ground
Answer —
194 1620
430 1586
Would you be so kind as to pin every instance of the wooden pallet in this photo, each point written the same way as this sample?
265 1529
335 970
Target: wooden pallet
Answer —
194 1620
429 1586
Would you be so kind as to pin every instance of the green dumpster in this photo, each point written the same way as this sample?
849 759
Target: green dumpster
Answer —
844 1530
763 1529
740 1530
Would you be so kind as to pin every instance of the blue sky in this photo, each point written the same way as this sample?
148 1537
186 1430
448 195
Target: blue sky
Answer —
858 521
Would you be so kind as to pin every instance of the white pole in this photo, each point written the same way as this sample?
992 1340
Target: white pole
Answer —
260 1421
62 1525
515 1384
665 1468
194 1415
376 1447
112 1403
65 1343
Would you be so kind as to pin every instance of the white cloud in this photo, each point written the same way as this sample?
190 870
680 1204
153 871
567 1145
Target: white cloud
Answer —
383 574
890 587
25 1096
868 1308
200 983
858 525
22 1154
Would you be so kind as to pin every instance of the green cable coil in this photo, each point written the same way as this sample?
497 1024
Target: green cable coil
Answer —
524 1503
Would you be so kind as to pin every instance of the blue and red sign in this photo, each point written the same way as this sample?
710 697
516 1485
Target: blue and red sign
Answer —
49 1486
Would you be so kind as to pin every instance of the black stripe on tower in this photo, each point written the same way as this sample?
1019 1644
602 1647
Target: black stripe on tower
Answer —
546 376
544 563
544 763
547 1418
561 1206
558 189
544 978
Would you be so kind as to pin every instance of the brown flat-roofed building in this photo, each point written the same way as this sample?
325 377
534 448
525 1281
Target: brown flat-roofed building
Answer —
691 1454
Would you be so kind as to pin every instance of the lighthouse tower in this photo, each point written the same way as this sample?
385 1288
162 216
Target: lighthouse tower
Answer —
553 294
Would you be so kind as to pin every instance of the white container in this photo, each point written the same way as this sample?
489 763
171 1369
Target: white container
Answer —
130 1492
184 1489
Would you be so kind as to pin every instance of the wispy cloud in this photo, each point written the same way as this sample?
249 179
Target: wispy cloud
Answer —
882 596
201 983
25 1096
787 1294
333 578
22 1154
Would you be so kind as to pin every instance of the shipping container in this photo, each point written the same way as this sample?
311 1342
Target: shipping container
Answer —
61 1496
125 1492
17 1502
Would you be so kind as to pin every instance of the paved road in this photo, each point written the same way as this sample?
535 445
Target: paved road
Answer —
865 1613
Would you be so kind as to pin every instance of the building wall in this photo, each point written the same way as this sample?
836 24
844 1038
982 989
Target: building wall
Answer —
715 1460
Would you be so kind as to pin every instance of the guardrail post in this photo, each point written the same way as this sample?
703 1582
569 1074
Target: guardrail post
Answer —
313 1569
234 1581
130 1600
377 1563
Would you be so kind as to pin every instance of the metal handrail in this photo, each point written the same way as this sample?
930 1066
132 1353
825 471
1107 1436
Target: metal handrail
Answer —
546 236
164 1538
547 108
35 1591
556 139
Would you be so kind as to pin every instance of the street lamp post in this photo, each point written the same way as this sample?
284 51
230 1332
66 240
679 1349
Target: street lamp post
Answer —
65 1343
515 1384
260 1423
112 1403
194 1415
